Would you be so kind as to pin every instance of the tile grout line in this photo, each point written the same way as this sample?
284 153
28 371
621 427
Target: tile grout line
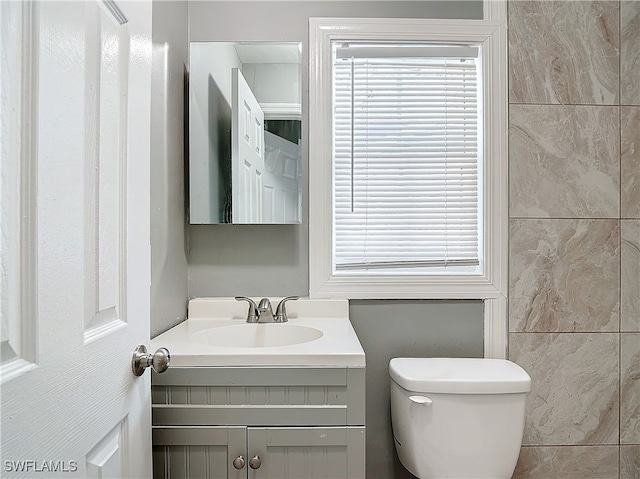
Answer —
508 78
565 332
620 238
562 218
604 105
572 218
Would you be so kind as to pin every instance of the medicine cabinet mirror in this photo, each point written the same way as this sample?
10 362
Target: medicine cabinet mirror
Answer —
245 124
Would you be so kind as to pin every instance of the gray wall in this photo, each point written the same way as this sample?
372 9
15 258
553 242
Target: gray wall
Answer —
261 260
168 228
227 260
402 328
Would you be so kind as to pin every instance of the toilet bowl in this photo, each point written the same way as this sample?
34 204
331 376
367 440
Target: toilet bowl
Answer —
458 418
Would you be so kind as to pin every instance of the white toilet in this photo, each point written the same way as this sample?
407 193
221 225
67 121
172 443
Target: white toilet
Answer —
458 418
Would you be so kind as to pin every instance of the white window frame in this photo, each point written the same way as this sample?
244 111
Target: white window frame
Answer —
490 286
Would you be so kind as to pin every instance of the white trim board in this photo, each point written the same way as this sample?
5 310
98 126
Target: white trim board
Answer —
490 286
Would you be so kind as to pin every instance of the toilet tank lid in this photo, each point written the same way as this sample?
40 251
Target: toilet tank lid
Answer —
459 375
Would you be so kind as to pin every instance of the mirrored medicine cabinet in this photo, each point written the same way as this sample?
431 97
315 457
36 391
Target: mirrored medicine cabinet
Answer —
245 124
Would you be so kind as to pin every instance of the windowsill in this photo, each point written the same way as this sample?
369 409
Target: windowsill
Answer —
444 286
415 273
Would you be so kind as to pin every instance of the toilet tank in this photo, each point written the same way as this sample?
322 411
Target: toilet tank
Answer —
458 417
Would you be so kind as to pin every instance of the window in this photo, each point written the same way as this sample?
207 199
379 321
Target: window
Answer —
407 158
407 152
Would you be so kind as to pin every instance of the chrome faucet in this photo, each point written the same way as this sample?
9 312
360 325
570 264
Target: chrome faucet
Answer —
263 313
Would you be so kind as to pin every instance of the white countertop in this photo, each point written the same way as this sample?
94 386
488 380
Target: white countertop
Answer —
337 347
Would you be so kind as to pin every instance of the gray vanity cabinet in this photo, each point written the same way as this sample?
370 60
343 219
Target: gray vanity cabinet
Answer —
198 452
299 422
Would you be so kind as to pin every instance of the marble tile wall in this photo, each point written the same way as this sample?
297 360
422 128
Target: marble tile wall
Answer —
565 161
549 258
629 462
630 52
564 52
630 159
574 253
630 276
559 462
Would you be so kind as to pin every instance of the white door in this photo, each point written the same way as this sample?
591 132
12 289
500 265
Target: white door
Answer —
247 152
76 275
281 190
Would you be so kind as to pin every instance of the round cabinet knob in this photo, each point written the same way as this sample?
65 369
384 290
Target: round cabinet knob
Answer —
238 462
255 462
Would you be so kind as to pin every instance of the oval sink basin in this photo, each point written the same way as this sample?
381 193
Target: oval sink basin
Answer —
266 335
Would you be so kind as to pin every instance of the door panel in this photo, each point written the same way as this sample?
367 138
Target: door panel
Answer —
301 453
17 193
198 452
105 192
281 182
247 152
77 410
106 459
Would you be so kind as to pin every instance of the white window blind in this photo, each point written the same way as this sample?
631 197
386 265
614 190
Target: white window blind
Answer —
406 156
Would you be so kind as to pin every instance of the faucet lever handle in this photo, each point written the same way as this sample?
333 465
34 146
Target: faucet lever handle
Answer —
281 310
252 314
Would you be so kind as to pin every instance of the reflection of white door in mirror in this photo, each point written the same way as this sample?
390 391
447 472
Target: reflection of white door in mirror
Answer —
281 183
247 152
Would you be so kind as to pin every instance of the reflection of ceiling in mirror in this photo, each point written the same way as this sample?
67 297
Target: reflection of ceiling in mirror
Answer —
268 52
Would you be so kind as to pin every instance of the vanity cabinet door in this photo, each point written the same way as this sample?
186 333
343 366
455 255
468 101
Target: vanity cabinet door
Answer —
310 453
203 452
